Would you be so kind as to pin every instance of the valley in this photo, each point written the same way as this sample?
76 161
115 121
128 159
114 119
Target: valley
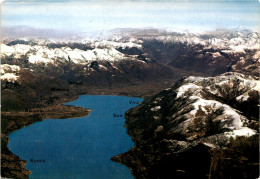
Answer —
39 75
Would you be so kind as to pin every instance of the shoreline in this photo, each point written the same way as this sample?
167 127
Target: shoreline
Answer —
14 166
11 164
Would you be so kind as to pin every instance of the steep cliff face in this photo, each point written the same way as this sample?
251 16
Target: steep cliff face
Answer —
178 131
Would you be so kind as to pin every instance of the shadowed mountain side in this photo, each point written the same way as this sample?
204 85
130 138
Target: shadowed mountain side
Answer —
194 127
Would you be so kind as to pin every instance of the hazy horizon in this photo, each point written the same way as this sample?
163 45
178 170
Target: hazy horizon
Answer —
99 16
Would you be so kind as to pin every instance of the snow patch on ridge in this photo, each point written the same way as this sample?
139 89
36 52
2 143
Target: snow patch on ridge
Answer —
114 44
10 77
8 72
228 117
184 88
243 131
156 108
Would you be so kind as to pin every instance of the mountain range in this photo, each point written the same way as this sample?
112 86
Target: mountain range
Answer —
200 113
192 128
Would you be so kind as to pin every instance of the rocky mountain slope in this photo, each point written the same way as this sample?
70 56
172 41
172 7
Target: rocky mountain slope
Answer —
66 69
194 118
134 57
209 53
178 132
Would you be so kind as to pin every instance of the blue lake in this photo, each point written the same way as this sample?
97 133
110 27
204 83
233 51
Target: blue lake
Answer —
81 147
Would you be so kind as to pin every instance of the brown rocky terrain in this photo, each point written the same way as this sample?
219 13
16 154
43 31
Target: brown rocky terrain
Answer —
38 76
199 127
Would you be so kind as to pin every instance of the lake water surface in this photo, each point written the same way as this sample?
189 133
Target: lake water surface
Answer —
81 147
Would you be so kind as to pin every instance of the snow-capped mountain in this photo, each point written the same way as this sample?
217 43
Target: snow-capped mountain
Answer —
136 57
228 40
194 98
74 66
181 131
104 50
114 57
210 53
196 114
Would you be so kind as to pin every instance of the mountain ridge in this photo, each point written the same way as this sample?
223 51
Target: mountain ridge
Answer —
137 64
189 122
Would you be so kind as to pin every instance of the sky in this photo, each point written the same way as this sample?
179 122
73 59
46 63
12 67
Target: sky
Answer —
100 15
